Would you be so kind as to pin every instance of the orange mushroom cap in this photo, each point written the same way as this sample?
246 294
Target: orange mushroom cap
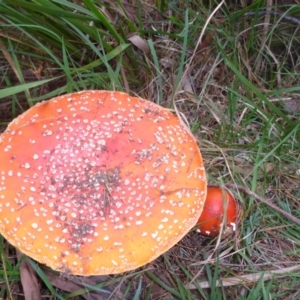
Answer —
98 182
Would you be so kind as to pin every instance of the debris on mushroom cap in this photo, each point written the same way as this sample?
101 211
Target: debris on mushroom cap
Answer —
98 182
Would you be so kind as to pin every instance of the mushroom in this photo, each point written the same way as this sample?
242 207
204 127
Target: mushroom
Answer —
98 182
212 217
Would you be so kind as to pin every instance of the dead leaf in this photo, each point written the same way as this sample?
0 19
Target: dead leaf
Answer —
67 285
73 284
29 280
186 84
140 43
38 72
292 105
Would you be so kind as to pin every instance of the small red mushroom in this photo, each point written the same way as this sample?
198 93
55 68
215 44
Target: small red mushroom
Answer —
212 217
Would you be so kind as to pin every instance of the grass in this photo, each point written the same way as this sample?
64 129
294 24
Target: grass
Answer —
239 95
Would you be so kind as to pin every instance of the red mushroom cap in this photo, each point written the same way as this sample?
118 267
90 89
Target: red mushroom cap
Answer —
217 201
98 182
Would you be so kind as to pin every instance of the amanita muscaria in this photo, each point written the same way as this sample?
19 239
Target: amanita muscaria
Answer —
213 219
98 182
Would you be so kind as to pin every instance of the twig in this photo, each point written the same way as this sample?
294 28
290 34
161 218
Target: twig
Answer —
265 201
274 13
187 67
263 39
200 39
246 279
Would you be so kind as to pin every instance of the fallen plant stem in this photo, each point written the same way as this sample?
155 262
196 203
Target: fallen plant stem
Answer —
265 201
246 279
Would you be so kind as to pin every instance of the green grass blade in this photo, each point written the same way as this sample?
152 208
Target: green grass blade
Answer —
23 87
103 19
44 278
